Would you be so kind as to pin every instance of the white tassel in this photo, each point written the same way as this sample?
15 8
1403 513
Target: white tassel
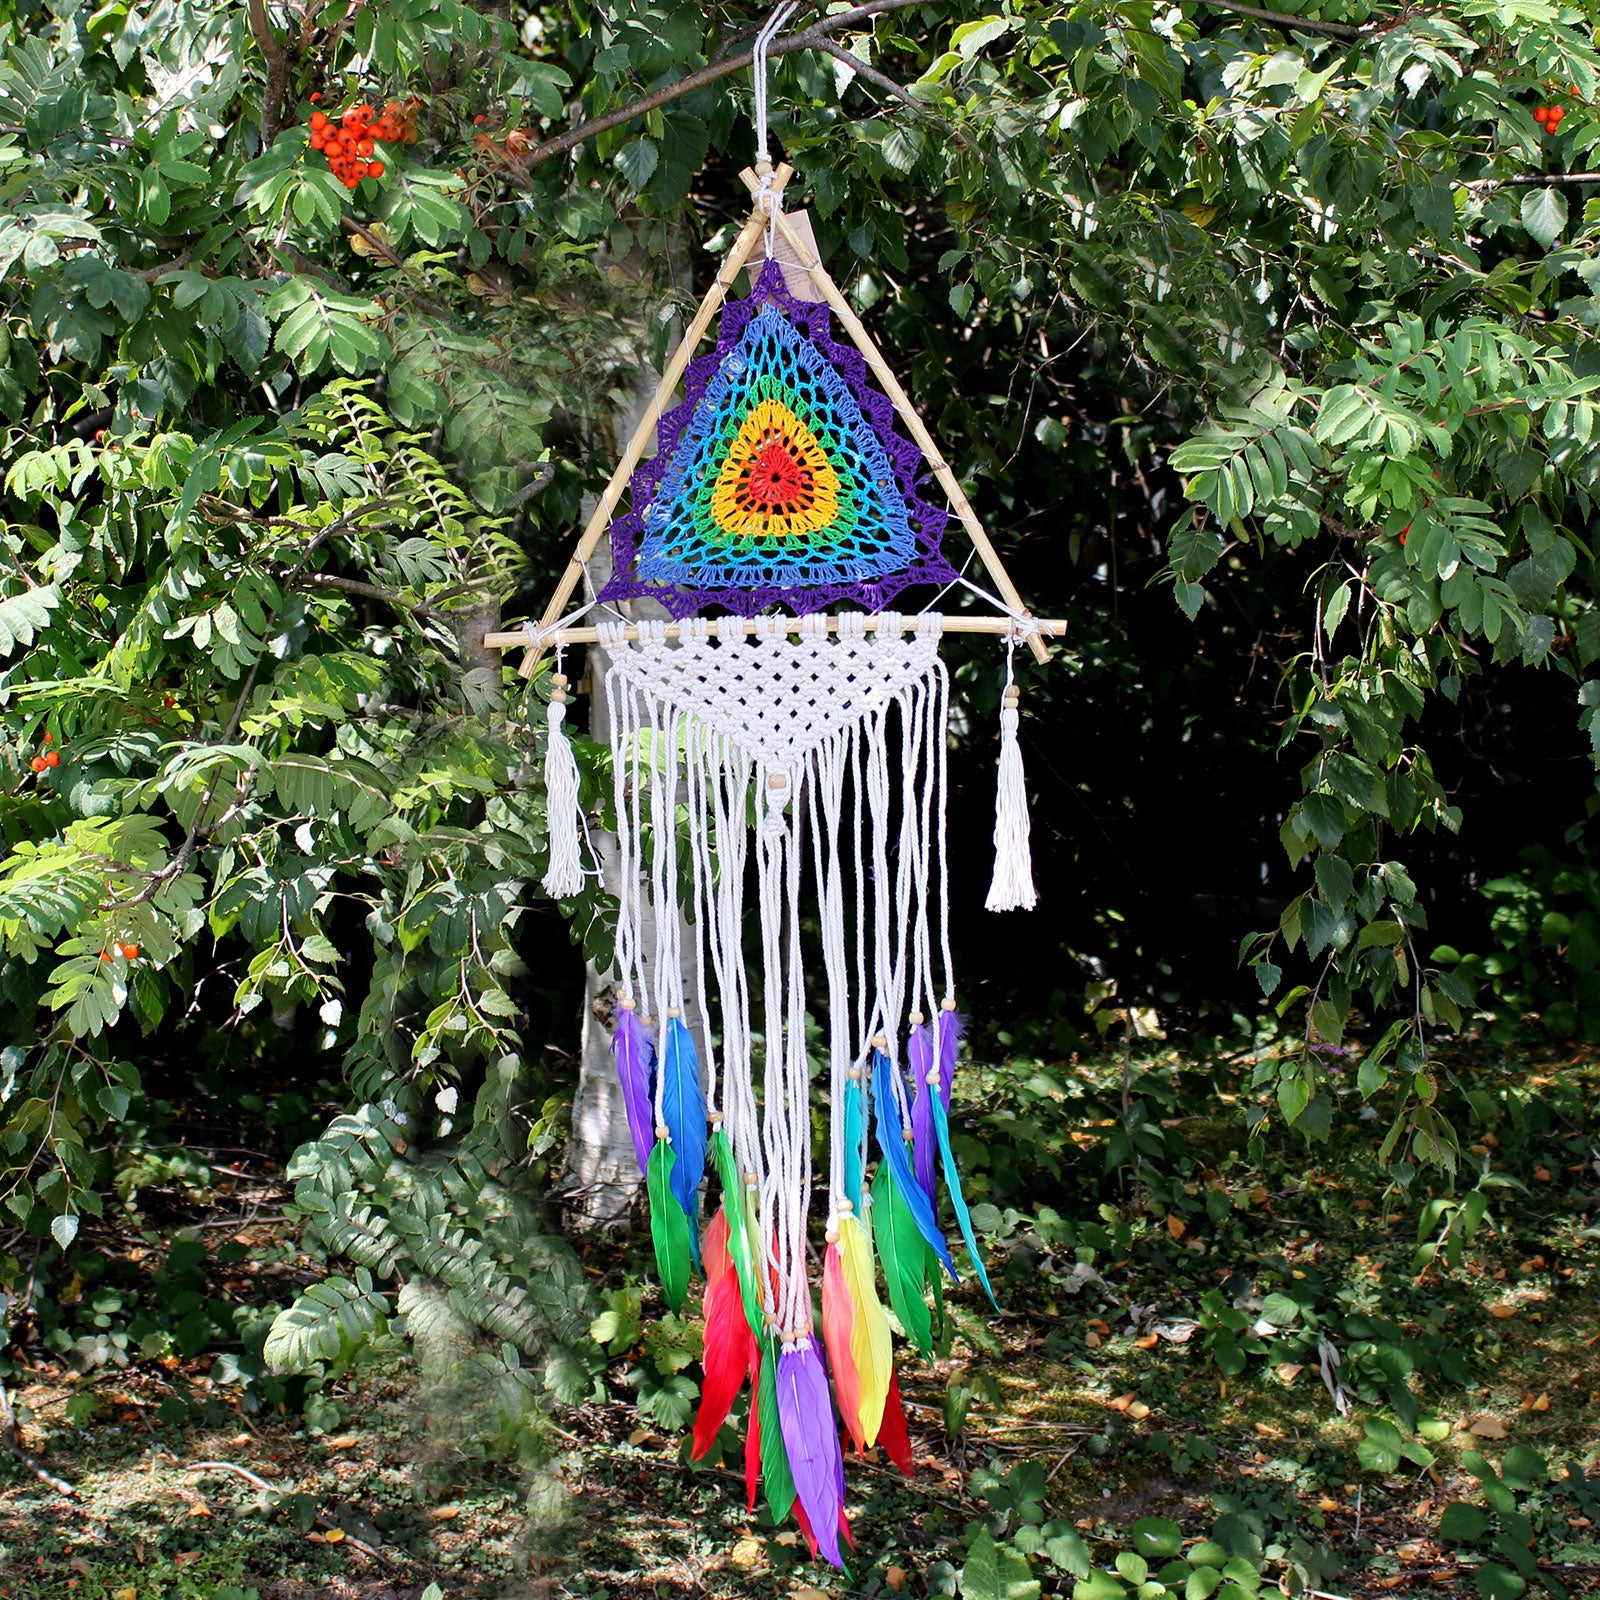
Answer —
563 878
1012 888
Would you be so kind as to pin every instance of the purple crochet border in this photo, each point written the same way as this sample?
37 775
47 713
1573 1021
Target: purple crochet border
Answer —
815 321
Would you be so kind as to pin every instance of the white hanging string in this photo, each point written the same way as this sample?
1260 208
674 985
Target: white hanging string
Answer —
758 68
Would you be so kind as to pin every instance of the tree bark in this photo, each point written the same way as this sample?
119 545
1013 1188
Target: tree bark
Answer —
602 1179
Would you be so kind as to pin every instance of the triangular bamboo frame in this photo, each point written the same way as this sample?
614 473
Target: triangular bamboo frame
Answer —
600 520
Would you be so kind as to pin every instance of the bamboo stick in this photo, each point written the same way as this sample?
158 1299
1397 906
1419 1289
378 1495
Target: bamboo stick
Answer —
918 431
598 523
734 627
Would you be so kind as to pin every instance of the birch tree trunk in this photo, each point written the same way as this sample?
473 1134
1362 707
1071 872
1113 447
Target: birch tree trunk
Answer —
602 1177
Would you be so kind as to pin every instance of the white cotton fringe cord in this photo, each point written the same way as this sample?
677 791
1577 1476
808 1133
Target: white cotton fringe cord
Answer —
718 743
564 875
1012 888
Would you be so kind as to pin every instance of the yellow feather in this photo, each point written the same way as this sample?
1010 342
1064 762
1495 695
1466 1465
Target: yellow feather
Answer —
869 1336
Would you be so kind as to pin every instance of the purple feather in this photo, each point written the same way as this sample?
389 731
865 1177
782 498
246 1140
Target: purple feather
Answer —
925 1143
950 1026
811 1439
636 1056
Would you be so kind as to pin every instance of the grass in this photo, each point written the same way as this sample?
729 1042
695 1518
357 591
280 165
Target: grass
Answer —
1095 1400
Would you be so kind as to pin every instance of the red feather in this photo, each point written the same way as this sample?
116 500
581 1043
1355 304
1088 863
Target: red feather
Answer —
714 1250
811 1538
892 1435
805 1528
728 1344
752 1438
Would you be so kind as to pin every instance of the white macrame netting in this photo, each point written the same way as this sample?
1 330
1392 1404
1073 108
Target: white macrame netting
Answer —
768 739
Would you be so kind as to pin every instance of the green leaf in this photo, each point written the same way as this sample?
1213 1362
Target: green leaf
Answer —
1099 1586
637 161
1544 214
1156 1538
1461 1523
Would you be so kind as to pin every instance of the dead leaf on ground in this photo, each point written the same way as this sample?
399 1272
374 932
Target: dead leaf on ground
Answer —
1092 1339
1536 1402
1487 1428
345 1441
335 1535
445 1513
1138 1411
1325 1504
1147 1341
1176 1225
1122 1402
1267 1430
1288 1371
1501 1310
895 1577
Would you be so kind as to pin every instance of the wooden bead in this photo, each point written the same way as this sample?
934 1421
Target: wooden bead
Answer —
917 1019
559 679
557 697
948 1003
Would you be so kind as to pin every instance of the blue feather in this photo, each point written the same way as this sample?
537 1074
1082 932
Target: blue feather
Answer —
952 1182
892 1147
683 1105
855 1120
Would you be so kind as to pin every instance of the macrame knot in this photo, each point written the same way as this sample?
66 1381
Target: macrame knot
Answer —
1012 888
564 875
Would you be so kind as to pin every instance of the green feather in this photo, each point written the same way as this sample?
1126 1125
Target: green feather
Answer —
934 1272
775 1474
669 1228
904 1253
738 1240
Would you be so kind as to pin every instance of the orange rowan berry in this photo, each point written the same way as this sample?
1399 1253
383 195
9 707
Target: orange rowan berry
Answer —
318 121
52 758
129 952
37 764
375 169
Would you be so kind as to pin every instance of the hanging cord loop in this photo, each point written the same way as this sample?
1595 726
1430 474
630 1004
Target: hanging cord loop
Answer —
758 67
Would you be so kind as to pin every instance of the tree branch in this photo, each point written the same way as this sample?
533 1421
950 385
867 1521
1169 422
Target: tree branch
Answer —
883 81
276 54
808 39
1336 30
1546 180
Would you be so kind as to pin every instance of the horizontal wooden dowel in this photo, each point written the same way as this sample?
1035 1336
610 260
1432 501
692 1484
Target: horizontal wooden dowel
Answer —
733 627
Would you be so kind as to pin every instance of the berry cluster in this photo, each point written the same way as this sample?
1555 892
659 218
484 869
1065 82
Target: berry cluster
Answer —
1549 117
46 758
128 952
351 143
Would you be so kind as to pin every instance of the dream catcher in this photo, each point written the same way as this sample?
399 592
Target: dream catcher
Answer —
785 754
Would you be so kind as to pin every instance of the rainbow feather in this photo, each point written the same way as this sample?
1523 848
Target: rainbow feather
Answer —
924 1147
726 1357
669 1228
805 1414
838 1321
870 1342
950 1025
892 1146
952 1183
905 1257
855 1139
683 1108
635 1055
738 1238
775 1471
